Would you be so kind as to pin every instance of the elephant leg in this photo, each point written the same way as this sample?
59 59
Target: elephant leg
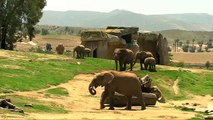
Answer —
124 67
131 66
121 66
104 95
129 103
141 99
145 65
116 64
78 55
141 65
111 100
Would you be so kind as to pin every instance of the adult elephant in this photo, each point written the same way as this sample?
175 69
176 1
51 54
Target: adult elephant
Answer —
123 56
127 84
142 55
80 51
150 63
87 52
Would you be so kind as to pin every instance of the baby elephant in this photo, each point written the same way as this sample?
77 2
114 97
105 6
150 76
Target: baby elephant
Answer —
150 63
127 84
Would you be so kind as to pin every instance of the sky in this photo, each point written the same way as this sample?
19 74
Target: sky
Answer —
147 7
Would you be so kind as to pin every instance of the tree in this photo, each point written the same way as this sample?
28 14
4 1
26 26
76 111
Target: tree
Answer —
209 43
176 44
193 42
17 20
200 43
44 31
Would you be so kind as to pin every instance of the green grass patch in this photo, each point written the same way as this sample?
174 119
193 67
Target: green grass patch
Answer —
38 106
189 83
58 91
40 74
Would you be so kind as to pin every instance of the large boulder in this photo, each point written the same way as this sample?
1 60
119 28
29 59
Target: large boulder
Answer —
121 100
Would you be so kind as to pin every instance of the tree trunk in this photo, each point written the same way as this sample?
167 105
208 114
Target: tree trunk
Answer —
3 37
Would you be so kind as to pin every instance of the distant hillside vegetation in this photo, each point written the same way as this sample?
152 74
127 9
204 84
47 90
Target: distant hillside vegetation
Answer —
191 21
184 35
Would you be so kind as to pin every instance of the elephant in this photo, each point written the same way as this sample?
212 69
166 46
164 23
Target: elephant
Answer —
142 55
87 52
60 49
150 62
146 87
123 56
80 50
127 84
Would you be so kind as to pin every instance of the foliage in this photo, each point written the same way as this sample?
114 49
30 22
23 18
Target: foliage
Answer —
40 50
44 31
180 64
185 48
17 20
207 64
192 49
59 30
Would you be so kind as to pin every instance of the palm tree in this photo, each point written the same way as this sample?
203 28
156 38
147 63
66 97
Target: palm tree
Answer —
200 43
193 42
176 44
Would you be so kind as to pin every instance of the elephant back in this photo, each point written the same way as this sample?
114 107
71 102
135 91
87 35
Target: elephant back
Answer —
150 60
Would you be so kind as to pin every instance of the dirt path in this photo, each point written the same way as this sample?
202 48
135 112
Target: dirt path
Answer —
81 105
175 87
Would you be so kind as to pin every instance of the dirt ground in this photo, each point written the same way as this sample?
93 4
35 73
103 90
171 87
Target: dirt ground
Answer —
82 105
68 41
193 58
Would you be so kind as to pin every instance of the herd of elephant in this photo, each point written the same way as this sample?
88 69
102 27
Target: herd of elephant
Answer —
123 56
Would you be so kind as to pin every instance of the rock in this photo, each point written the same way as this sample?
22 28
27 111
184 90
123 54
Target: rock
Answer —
121 101
208 117
195 104
28 105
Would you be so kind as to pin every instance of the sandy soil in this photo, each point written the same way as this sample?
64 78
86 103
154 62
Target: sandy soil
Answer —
193 58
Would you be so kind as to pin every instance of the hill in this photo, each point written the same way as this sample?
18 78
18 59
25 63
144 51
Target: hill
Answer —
191 21
184 35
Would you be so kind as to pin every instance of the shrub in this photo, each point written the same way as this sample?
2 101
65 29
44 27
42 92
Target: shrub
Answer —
180 64
207 64
192 49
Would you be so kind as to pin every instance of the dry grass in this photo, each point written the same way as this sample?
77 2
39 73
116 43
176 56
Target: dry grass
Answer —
193 58
67 40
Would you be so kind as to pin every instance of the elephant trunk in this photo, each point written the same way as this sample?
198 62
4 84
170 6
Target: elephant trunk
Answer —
92 89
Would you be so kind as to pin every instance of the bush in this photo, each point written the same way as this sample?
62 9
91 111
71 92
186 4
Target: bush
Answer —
192 49
207 64
44 31
185 48
40 50
180 64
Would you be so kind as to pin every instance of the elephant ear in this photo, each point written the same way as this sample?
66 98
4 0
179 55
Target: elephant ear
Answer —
108 77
